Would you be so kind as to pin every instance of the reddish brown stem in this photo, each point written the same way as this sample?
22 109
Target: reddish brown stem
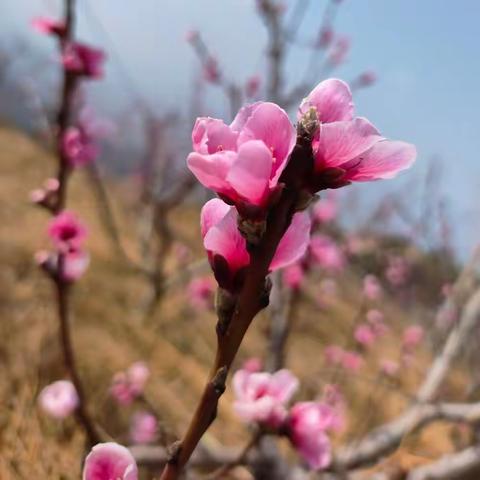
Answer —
82 415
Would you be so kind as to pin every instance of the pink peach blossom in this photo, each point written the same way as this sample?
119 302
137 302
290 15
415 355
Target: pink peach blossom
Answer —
130 384
389 367
308 424
252 365
412 336
253 86
143 428
66 231
211 71
75 264
261 397
326 253
78 147
83 60
325 37
110 461
349 148
243 161
293 276
226 247
200 292
365 335
352 361
372 288
325 210
59 399
49 26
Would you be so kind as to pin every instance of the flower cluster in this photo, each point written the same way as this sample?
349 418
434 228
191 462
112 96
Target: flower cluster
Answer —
69 260
130 384
244 164
262 398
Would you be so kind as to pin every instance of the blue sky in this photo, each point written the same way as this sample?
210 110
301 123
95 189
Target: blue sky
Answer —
426 54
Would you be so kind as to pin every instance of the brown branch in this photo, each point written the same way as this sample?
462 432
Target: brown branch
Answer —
250 300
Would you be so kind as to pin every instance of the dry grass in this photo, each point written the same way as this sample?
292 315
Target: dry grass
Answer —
110 333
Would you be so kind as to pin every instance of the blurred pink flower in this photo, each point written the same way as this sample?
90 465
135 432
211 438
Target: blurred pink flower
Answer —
191 36
78 147
253 86
339 50
226 247
366 79
200 292
66 231
110 461
372 288
49 26
325 210
143 428
333 354
293 276
83 59
389 367
130 384
59 399
243 161
211 72
75 264
325 37
365 335
349 148
261 397
252 365
352 361
376 320
308 424
412 337
326 253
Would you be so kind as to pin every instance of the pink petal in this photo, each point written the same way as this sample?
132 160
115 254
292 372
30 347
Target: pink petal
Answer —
269 123
333 100
110 461
224 239
250 173
283 385
212 213
294 243
212 170
211 135
243 115
384 160
340 142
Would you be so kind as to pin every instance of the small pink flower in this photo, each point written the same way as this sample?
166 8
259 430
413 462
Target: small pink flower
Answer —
211 71
38 196
333 354
293 276
389 368
308 424
325 37
83 60
252 365
349 148
325 210
365 335
352 361
372 288
412 336
48 26
59 399
143 428
376 320
75 264
130 384
200 292
227 250
110 461
339 51
326 253
78 147
261 397
253 86
242 162
366 79
66 231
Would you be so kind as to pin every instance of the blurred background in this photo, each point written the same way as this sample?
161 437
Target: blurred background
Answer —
148 294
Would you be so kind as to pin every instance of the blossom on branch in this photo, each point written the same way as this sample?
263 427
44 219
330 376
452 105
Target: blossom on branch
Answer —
59 399
110 461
